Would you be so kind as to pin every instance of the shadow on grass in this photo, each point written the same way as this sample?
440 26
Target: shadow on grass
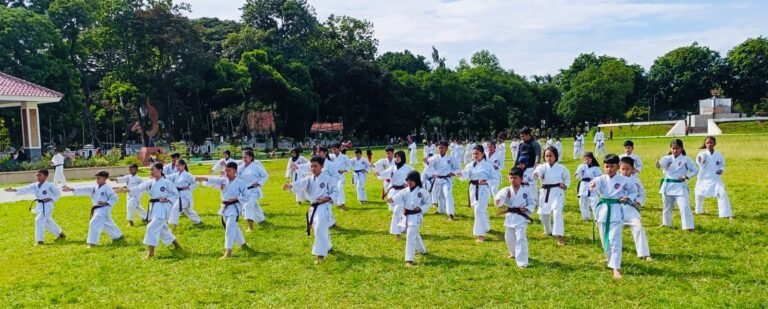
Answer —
357 260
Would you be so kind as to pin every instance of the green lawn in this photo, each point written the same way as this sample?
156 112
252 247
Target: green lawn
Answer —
744 127
722 264
636 131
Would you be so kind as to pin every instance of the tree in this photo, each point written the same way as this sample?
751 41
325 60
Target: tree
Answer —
486 59
437 62
403 61
685 75
598 93
289 24
748 64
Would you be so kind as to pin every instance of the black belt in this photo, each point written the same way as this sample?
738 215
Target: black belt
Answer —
525 184
93 208
38 201
227 204
311 218
393 187
253 186
55 166
578 187
432 185
357 172
152 202
411 212
180 203
548 187
477 185
521 213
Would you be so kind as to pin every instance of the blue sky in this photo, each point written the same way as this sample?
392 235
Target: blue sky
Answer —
540 36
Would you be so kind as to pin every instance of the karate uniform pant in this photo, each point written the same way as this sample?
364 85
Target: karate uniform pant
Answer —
600 151
58 176
413 241
157 230
394 224
614 243
46 222
252 210
443 194
517 243
723 203
186 209
577 153
232 233
322 235
413 157
132 206
342 196
554 222
480 208
360 186
641 239
686 217
586 206
101 222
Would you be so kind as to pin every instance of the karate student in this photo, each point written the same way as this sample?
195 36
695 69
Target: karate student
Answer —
480 174
412 149
614 190
58 168
292 171
426 182
578 146
631 210
443 169
517 203
416 201
162 193
132 203
528 179
342 164
234 193
254 176
467 158
709 182
103 198
46 194
383 164
555 179
677 169
599 141
496 159
629 148
185 183
586 171
218 168
396 175
320 189
558 145
170 168
360 167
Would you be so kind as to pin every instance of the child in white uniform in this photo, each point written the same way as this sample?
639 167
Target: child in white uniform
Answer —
292 171
629 151
677 169
632 210
103 198
185 183
233 194
132 202
480 175
360 167
709 182
46 194
586 171
416 201
517 203
396 175
555 179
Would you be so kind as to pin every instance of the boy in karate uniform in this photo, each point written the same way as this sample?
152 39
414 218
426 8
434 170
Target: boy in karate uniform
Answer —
382 165
58 168
170 168
233 193
614 190
321 190
443 168
629 149
342 165
103 198
45 195
599 141
517 203
132 204
632 211
360 167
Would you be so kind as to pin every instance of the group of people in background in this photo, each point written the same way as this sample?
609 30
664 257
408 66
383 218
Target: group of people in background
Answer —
609 195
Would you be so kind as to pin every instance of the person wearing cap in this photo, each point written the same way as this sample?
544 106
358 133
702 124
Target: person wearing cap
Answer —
170 168
58 168
132 203
481 174
292 171
103 198
218 168
46 194
629 151
443 167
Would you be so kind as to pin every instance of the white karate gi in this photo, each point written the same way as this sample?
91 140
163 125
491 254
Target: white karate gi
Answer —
479 194
587 200
516 225
359 169
58 170
710 184
396 176
169 168
578 146
380 166
554 202
632 219
219 166
43 210
254 176
599 141
296 174
412 149
609 214
132 202
230 189
638 163
497 162
675 191
158 213
342 164
411 199
443 168
101 215
185 183
316 187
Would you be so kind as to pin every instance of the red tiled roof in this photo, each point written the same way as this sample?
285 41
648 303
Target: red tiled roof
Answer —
16 87
261 121
319 127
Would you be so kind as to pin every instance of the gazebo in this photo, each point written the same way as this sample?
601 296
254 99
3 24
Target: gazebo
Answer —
18 92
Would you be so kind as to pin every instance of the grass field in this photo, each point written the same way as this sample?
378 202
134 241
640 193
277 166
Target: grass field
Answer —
636 131
744 127
722 264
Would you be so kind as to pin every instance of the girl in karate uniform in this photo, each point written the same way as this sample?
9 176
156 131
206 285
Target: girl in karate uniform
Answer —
677 169
586 171
709 182
416 201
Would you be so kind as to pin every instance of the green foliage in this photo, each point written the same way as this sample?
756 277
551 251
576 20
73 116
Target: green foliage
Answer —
599 92
748 63
744 127
5 137
637 113
403 61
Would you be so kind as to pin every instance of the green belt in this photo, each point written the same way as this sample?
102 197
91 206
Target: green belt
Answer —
663 180
607 223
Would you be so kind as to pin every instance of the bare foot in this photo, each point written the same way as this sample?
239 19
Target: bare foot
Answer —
561 241
409 264
398 237
130 223
511 257
248 229
646 258
522 266
689 230
617 274
480 239
91 246
61 236
39 243
451 218
319 259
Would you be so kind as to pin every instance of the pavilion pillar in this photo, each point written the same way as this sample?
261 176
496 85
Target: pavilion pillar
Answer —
30 127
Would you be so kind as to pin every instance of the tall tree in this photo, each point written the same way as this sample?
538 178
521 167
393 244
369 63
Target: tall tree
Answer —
598 93
748 63
403 61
